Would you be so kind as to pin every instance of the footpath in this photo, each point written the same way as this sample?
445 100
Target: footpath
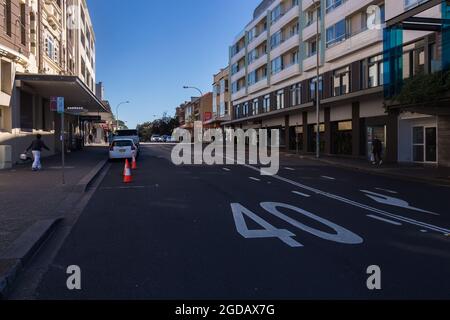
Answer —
33 203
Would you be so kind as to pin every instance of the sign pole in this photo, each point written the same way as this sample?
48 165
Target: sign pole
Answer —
63 138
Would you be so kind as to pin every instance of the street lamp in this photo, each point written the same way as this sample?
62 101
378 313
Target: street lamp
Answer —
117 112
201 95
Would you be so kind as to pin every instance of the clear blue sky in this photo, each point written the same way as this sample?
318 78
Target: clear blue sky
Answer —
147 50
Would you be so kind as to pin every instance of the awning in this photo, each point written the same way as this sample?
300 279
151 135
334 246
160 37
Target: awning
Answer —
75 92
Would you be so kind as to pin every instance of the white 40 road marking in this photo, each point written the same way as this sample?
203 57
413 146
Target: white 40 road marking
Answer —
342 235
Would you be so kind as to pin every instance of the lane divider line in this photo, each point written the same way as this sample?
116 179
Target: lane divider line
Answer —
290 169
386 190
301 194
226 169
254 179
384 220
328 178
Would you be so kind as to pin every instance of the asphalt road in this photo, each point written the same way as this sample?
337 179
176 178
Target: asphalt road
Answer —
225 232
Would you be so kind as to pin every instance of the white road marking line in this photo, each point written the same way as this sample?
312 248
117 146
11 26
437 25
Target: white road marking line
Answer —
254 179
395 202
290 169
357 204
301 194
384 220
123 188
387 190
328 178
424 231
226 169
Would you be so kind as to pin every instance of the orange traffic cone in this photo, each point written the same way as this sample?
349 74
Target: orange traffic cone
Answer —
127 178
134 163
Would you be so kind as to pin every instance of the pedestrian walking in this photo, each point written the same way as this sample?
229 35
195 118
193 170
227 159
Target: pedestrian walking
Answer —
377 149
36 148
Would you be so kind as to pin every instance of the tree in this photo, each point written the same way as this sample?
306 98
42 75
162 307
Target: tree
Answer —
163 126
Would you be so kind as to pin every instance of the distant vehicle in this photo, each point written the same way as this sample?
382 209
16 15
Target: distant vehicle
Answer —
155 138
165 138
127 134
123 149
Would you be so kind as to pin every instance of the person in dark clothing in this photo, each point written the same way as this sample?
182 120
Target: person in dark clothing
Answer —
36 148
377 149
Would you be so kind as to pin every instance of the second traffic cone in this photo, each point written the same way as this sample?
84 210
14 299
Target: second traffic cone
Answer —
127 178
134 163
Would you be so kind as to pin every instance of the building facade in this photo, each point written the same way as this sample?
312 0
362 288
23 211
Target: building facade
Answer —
47 49
220 99
273 76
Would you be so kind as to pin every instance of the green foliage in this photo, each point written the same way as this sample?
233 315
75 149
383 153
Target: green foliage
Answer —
163 126
424 88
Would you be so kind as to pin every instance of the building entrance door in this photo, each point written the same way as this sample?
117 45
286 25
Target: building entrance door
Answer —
424 144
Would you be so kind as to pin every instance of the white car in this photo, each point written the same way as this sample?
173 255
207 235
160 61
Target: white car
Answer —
123 149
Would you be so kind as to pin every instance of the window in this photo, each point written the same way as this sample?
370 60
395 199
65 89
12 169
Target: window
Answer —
341 81
296 92
312 87
333 4
277 65
311 48
412 3
276 14
276 39
245 109
336 33
7 17
255 107
280 99
23 34
234 68
252 56
266 103
251 78
376 71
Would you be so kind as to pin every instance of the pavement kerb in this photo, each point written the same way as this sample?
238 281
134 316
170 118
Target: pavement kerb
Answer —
18 255
380 173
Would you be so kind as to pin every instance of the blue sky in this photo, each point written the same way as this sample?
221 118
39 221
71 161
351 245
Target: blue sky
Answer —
147 50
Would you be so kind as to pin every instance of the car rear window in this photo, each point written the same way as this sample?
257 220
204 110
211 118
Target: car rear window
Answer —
123 143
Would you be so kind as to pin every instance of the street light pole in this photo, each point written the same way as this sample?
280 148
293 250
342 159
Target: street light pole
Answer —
117 112
201 95
318 82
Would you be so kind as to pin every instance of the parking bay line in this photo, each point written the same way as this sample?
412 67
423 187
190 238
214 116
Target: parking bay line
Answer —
357 204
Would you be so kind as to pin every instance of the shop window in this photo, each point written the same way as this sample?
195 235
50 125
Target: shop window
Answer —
341 136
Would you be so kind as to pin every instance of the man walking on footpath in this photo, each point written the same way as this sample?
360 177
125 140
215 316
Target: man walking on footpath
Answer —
36 147
377 149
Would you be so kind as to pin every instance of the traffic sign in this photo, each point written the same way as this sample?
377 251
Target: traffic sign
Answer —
60 104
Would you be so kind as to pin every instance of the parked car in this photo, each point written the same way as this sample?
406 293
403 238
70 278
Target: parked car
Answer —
127 134
123 149
165 138
155 138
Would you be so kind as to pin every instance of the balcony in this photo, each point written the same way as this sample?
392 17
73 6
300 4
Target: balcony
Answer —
286 73
238 95
292 13
344 10
240 74
287 44
310 63
310 30
257 41
307 4
257 63
262 84
238 56
357 42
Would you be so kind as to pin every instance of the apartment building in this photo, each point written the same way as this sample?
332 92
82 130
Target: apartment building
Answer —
47 49
198 109
220 100
273 76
